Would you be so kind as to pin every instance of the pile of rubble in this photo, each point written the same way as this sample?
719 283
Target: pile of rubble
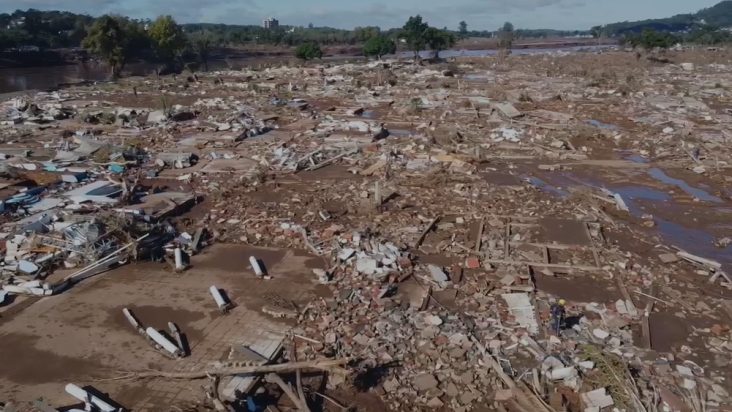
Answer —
422 188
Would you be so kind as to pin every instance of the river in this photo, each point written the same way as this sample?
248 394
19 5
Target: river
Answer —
48 78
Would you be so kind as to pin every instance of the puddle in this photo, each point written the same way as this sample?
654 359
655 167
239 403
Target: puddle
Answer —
543 185
640 192
401 132
642 119
700 194
602 125
369 114
475 76
500 179
695 241
637 159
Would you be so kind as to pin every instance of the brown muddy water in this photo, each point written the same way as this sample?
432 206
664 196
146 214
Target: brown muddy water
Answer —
48 78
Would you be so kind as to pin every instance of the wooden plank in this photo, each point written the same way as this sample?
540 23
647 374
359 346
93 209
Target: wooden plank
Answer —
700 260
555 246
676 297
624 291
542 265
592 242
645 324
507 246
727 307
429 227
479 238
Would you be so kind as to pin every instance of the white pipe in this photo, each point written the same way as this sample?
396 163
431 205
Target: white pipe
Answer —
162 341
217 297
85 397
106 259
255 265
131 318
27 291
179 259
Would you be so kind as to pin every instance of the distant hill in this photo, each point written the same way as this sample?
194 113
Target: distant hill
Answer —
719 15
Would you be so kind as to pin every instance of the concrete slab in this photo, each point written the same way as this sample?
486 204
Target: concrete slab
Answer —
82 335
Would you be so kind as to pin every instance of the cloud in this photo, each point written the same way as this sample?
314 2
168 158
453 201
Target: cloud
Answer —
483 13
346 14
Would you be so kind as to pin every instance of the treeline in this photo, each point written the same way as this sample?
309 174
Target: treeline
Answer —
719 15
42 29
651 38
56 29
117 40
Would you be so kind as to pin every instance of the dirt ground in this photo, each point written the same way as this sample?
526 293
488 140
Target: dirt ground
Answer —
82 336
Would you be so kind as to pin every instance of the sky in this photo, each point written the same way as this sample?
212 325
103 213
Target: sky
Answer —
346 14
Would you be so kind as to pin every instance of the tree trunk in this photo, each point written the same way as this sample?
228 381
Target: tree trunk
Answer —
115 70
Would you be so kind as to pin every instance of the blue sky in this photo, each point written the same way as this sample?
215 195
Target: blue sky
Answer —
479 14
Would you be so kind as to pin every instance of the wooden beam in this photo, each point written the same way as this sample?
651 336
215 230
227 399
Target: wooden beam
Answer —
479 238
429 227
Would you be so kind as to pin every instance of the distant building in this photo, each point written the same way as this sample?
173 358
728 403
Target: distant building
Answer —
16 23
271 23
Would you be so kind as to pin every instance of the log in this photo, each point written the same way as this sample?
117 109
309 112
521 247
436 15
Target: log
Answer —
287 389
429 227
480 236
279 368
700 260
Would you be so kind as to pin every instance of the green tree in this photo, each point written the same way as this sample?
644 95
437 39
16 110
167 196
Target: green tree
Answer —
414 31
463 30
109 40
201 43
308 51
379 46
506 36
651 39
5 41
167 39
707 35
439 40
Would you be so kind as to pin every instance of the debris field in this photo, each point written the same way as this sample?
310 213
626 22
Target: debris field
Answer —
385 235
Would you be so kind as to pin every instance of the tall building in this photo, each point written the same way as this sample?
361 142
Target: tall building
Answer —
270 23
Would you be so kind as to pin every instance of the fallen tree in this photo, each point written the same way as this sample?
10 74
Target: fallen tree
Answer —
327 365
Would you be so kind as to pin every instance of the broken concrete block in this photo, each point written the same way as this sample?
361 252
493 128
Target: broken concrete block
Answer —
157 116
600 334
366 265
391 385
507 109
467 397
563 373
425 382
437 274
503 395
597 398
451 390
435 403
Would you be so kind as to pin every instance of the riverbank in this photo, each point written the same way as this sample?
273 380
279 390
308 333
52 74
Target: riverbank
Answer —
63 57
